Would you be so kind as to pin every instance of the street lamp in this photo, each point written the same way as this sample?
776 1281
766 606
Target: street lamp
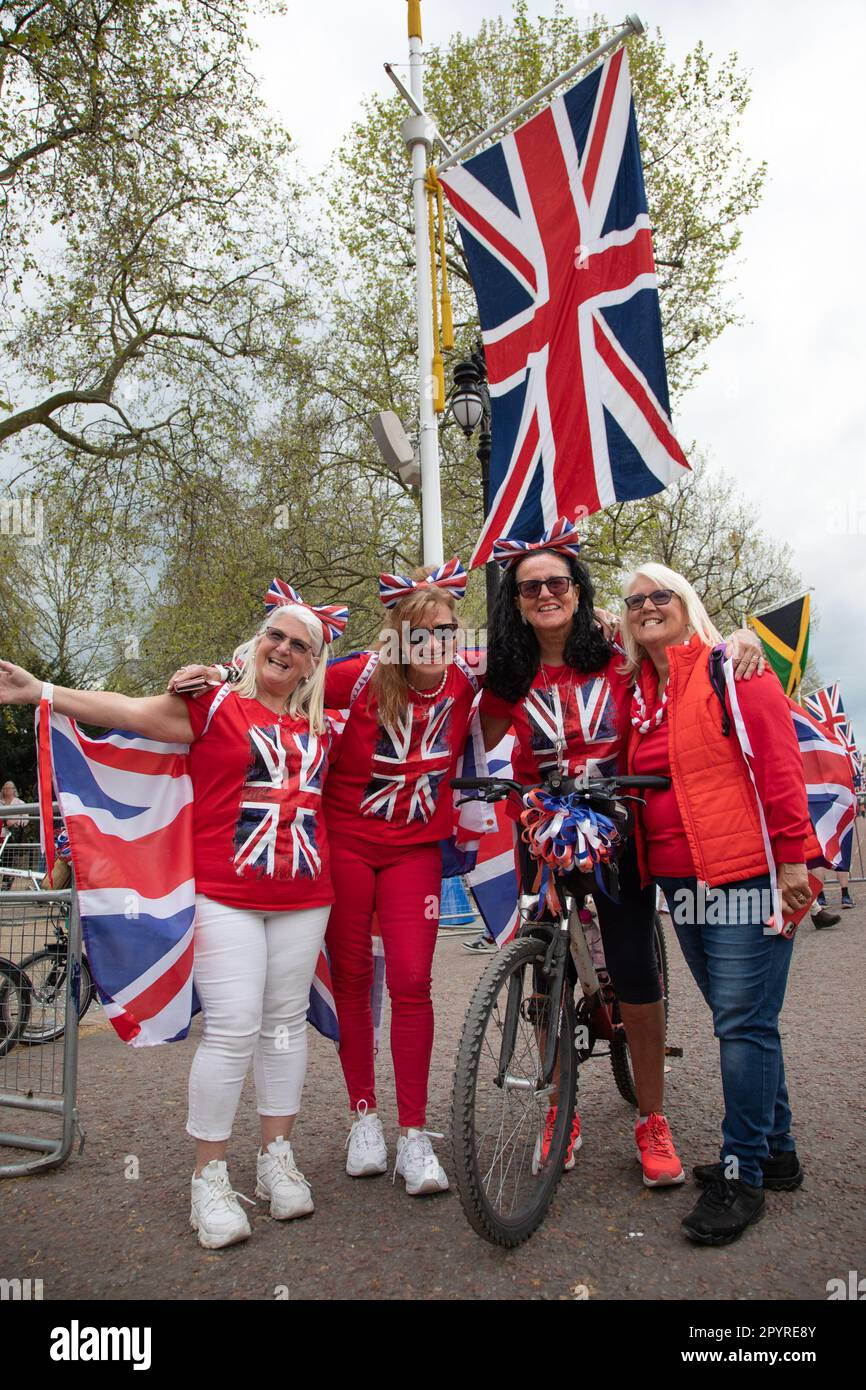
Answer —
469 403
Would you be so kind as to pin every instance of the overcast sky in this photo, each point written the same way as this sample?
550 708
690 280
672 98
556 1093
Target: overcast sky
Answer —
781 407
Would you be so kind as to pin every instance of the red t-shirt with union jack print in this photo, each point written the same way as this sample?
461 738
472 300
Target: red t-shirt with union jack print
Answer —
589 710
259 836
391 785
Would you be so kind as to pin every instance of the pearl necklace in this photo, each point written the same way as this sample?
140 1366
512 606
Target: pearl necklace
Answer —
430 694
639 715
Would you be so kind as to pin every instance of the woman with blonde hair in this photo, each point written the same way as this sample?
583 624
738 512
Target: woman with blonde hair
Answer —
388 805
258 760
728 844
405 709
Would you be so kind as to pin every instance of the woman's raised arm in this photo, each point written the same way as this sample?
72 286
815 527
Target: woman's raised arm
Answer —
155 716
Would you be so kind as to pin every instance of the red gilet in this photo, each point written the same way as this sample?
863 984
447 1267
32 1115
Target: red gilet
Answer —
711 781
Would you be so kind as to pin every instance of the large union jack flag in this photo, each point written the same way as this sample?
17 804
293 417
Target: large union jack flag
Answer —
409 761
556 232
275 834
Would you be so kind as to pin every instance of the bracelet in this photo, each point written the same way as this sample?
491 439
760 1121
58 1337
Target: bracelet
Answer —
222 672
47 692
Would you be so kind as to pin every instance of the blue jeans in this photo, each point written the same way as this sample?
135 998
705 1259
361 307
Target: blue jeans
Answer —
742 974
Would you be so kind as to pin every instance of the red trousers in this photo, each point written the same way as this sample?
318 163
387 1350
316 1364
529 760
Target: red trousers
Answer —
401 885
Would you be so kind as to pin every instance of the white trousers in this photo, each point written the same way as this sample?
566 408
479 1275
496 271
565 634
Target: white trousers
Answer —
252 973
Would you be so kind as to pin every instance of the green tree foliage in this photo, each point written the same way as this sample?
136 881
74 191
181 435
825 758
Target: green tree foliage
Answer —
148 233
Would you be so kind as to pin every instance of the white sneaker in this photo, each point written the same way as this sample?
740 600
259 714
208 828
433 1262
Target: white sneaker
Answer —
368 1154
418 1164
215 1211
278 1178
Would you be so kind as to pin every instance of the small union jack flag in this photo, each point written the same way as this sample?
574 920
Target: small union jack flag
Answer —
826 706
268 840
409 761
556 231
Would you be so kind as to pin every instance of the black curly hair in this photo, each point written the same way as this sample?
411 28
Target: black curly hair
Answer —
513 655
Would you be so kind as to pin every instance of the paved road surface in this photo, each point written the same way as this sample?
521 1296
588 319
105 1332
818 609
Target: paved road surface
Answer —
89 1231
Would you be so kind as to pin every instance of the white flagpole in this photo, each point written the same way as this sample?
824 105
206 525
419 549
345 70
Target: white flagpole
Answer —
418 135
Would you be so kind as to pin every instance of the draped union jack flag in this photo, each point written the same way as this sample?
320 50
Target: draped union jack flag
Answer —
556 232
127 805
268 840
409 761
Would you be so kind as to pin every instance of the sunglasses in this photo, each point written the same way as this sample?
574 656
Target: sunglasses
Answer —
660 598
296 646
445 633
557 586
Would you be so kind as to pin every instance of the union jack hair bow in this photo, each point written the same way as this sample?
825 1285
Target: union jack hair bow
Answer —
561 536
450 577
332 616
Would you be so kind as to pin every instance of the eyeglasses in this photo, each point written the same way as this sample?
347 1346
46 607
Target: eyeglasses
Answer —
660 598
557 585
296 646
445 634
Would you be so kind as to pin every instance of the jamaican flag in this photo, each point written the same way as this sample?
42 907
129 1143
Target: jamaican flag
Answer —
784 633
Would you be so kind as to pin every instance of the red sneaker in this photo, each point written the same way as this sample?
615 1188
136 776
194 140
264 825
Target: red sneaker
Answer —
656 1153
542 1145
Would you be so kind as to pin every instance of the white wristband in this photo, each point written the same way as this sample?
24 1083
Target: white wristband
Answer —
47 692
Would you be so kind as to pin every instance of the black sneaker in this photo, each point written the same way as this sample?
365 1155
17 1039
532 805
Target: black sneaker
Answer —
825 919
727 1206
821 901
782 1172
847 900
482 945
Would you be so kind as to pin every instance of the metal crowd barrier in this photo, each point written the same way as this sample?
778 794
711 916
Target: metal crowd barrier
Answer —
40 998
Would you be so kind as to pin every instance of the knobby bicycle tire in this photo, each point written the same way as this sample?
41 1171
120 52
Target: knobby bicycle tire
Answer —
15 992
620 1060
38 967
476 1067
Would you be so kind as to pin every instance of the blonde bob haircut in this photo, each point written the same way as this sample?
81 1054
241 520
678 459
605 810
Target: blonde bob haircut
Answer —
697 617
389 682
307 700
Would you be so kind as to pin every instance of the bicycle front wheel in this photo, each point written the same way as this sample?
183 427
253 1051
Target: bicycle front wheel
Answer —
47 972
500 1101
15 994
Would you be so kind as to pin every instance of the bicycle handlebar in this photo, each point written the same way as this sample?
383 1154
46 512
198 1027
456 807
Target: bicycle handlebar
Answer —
599 786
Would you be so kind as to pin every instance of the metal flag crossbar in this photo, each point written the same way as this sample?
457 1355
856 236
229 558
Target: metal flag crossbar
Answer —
780 602
633 25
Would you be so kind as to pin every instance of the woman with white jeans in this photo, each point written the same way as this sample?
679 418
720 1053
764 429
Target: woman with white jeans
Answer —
258 761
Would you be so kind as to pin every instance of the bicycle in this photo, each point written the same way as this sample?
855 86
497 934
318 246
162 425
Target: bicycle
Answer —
519 1050
47 970
15 996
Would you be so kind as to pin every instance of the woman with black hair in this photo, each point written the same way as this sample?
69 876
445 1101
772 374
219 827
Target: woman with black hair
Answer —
555 679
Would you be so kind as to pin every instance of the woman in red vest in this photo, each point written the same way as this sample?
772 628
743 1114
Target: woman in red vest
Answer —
556 680
716 842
